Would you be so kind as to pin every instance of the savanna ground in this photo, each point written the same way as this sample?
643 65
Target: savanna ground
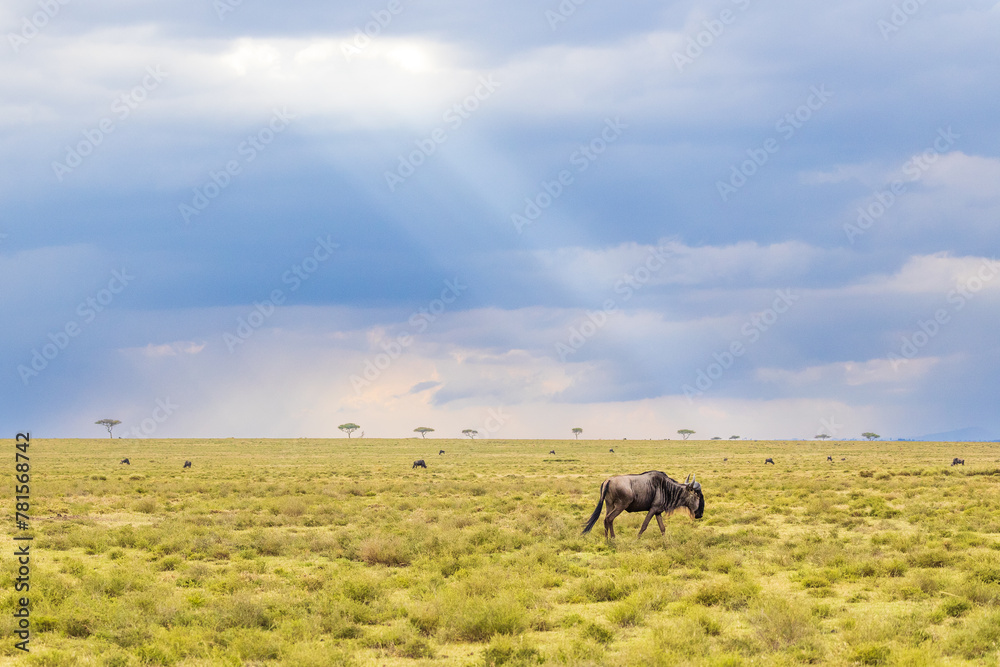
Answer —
336 552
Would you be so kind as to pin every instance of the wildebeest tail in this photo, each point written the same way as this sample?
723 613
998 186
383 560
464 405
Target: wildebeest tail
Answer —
597 512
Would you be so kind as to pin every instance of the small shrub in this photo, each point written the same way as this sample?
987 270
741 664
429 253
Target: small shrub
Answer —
603 589
778 625
872 654
627 613
509 651
379 550
598 633
956 607
169 563
729 594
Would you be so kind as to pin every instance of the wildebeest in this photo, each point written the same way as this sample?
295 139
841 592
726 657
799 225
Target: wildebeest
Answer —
125 461
612 451
652 492
726 459
552 451
440 452
419 463
957 462
829 458
766 461
187 464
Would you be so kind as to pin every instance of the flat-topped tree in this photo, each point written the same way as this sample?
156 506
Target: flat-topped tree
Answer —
423 431
871 436
734 437
349 428
108 424
471 432
685 432
822 436
577 431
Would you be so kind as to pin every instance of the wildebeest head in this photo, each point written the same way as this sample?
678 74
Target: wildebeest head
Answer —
693 498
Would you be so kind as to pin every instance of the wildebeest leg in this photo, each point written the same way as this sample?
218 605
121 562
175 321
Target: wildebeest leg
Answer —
645 522
609 519
659 520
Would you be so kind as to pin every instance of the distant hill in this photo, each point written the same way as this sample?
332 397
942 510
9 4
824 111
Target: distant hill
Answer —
968 434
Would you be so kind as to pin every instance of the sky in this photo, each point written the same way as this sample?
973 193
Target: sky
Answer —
235 218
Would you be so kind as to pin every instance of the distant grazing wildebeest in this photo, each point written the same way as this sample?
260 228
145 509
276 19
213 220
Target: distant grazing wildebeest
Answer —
440 452
652 492
829 458
125 461
766 461
187 464
726 459
844 459
419 463
612 451
552 451
958 462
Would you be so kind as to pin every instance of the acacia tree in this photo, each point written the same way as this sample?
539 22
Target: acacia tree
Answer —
685 432
349 428
471 432
423 431
734 437
822 436
576 432
871 436
108 424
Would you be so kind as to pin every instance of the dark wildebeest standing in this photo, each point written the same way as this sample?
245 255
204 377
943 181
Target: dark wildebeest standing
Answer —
766 461
419 463
440 452
652 492
612 451
552 451
829 458
125 461
957 462
187 464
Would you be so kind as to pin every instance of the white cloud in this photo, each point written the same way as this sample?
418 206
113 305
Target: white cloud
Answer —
934 274
851 373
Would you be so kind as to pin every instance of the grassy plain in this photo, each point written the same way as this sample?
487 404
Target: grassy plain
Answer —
335 552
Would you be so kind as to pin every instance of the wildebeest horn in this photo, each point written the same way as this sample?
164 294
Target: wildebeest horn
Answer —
688 479
693 478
